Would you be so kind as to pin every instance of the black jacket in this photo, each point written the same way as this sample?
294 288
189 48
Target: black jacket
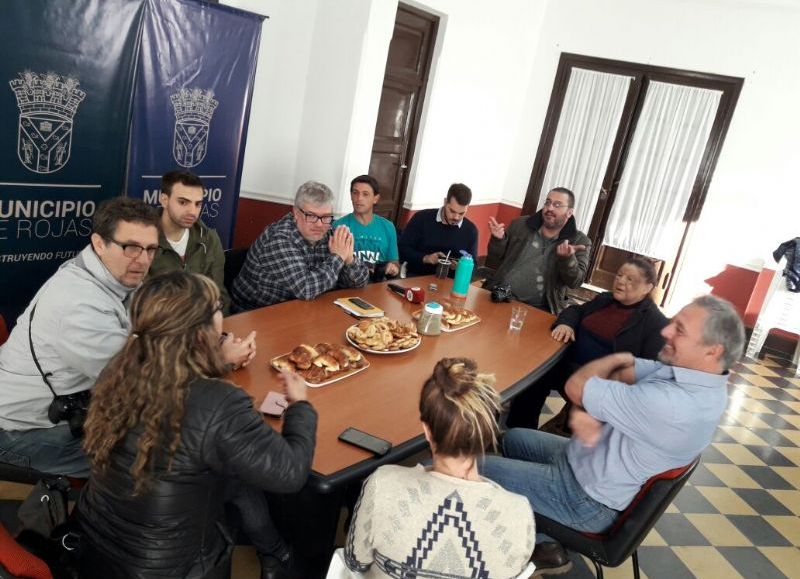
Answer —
172 530
641 334
791 249
561 273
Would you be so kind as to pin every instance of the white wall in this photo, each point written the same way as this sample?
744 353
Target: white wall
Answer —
752 203
277 110
317 92
318 86
476 95
321 68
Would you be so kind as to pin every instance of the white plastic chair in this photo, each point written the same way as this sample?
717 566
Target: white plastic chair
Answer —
781 310
338 569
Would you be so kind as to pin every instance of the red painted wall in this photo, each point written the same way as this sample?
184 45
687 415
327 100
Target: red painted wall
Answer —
253 216
736 285
746 290
479 215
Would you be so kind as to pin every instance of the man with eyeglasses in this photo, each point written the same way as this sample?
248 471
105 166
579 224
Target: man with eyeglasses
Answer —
299 256
540 255
79 322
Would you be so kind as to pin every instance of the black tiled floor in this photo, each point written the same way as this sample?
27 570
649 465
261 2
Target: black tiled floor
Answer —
763 502
676 530
772 437
766 477
776 421
704 477
758 531
768 454
751 563
691 501
663 563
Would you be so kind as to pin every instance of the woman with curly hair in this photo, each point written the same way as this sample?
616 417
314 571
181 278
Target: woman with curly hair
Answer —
170 442
444 520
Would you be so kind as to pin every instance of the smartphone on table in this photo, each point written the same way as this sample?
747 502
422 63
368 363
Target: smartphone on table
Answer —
356 437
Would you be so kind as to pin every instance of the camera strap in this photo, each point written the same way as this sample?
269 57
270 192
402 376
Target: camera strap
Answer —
33 353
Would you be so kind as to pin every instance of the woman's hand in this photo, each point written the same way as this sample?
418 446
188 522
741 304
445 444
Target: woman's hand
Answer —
563 333
293 386
237 352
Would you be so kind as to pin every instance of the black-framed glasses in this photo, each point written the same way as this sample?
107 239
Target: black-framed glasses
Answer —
134 250
217 307
555 204
313 217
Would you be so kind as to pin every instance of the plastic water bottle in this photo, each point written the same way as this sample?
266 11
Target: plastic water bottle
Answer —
430 319
463 275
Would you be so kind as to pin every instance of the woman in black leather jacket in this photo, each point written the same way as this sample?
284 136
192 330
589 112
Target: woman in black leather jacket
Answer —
170 442
622 320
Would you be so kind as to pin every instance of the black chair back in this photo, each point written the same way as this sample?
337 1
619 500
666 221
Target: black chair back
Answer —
614 546
234 260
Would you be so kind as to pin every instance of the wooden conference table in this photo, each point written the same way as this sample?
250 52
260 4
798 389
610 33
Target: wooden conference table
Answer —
383 399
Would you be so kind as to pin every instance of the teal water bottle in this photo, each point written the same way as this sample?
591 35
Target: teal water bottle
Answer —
463 275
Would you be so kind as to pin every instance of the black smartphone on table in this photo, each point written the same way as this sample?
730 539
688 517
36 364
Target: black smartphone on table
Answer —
356 437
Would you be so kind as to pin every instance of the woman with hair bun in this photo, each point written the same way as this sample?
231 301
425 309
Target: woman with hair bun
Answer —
444 520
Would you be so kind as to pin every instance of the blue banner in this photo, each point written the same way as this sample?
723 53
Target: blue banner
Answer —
193 90
66 86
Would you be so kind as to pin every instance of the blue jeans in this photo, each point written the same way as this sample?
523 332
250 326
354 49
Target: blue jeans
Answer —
535 466
51 450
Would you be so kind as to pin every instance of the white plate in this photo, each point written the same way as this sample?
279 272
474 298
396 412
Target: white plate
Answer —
363 349
340 375
447 327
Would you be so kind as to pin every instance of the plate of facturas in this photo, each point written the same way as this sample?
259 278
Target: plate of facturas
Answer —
384 336
323 363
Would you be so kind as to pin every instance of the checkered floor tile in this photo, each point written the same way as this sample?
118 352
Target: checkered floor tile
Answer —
739 515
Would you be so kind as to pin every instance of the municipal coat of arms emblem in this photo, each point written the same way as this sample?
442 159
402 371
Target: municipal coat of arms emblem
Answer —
47 104
193 111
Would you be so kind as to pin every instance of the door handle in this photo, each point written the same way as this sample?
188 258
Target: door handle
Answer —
404 166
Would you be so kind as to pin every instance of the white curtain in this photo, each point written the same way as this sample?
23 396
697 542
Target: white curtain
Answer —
661 168
585 135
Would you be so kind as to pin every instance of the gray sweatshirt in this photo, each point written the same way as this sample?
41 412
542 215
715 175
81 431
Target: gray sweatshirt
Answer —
80 322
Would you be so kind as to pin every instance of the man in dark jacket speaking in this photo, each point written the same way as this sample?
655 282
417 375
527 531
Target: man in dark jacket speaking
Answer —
540 255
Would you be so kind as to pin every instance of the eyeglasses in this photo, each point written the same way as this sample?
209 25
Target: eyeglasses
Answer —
555 204
133 250
313 217
217 307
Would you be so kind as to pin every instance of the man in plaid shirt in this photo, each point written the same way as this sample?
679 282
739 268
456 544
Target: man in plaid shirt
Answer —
299 256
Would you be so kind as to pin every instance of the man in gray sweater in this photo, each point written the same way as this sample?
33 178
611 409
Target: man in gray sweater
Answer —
75 323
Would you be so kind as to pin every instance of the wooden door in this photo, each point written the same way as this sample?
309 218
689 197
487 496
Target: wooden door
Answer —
404 82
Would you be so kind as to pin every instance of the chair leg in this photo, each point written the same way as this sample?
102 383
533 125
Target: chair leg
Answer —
635 560
598 568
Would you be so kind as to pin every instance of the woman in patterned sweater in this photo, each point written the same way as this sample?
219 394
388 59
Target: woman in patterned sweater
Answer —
444 520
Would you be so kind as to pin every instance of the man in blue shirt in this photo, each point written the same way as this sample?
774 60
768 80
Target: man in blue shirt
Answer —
633 419
375 237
